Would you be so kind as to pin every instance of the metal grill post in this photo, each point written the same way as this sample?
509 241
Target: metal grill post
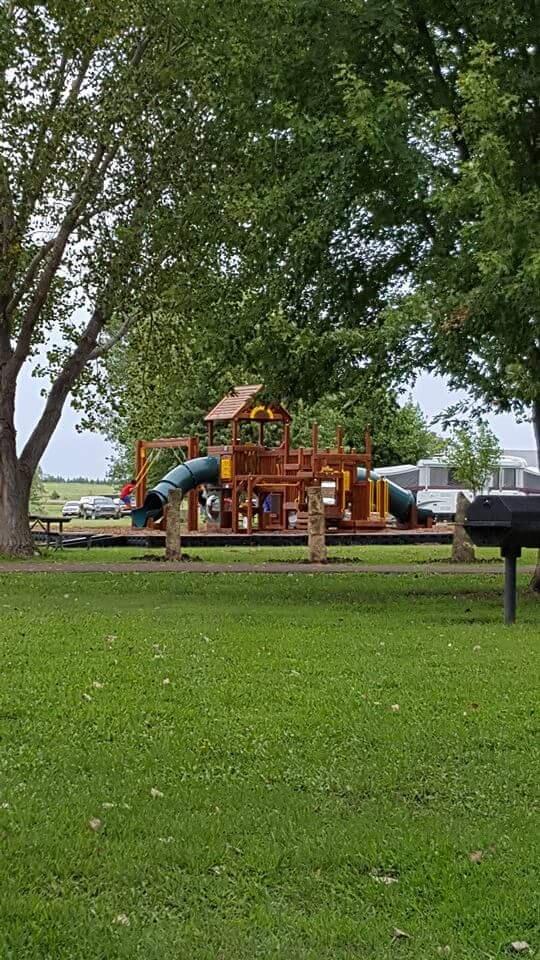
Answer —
510 588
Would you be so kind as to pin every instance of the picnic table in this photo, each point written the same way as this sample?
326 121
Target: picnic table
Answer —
39 522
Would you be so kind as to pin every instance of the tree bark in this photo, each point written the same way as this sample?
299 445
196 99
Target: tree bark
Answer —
316 526
535 582
462 547
15 482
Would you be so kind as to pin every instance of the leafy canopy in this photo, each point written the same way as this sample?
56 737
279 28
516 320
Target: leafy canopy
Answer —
388 202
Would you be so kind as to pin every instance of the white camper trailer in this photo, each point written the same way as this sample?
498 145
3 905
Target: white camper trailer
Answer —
433 481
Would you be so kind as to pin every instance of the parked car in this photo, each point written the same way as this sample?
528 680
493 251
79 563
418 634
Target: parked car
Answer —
99 508
72 508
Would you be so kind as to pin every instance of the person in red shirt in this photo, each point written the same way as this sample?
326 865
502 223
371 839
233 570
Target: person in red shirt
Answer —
126 491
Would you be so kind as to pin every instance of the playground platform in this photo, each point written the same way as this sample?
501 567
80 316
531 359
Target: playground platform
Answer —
127 537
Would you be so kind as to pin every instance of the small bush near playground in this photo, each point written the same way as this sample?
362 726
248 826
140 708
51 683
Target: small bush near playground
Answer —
266 766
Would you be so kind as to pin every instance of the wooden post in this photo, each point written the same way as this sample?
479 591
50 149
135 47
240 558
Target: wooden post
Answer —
286 442
140 473
462 545
316 526
193 499
249 514
173 549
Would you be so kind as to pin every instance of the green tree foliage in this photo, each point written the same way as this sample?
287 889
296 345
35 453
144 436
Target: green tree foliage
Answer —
388 202
168 389
399 434
473 452
475 315
397 207
162 386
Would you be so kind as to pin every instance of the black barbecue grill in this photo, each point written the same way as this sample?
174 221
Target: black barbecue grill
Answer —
509 523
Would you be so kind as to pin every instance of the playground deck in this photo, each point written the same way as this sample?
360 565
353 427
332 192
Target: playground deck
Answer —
127 537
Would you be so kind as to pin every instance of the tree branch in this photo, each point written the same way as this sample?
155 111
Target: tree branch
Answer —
99 162
445 91
78 80
37 166
29 277
103 348
38 440
7 269
90 185
7 211
42 165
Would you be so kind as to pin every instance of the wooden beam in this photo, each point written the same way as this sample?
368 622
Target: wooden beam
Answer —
315 438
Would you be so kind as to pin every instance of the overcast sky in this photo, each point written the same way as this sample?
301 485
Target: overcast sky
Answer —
72 454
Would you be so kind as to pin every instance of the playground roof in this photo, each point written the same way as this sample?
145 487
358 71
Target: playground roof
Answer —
232 405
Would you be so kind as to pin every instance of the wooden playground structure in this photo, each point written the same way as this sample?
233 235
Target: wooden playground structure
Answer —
263 481
146 453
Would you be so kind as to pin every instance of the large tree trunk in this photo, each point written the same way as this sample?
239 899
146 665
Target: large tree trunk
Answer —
535 582
15 481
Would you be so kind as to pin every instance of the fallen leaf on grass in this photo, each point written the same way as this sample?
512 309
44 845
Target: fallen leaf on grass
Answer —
95 824
155 793
395 708
108 806
166 682
476 856
87 697
398 934
97 685
519 946
384 878
122 920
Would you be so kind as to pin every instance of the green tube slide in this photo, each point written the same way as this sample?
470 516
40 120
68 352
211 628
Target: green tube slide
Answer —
184 477
401 501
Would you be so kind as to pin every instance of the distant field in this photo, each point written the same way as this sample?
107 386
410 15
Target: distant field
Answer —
74 491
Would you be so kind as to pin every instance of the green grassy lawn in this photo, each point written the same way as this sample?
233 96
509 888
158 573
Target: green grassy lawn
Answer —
368 554
266 767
